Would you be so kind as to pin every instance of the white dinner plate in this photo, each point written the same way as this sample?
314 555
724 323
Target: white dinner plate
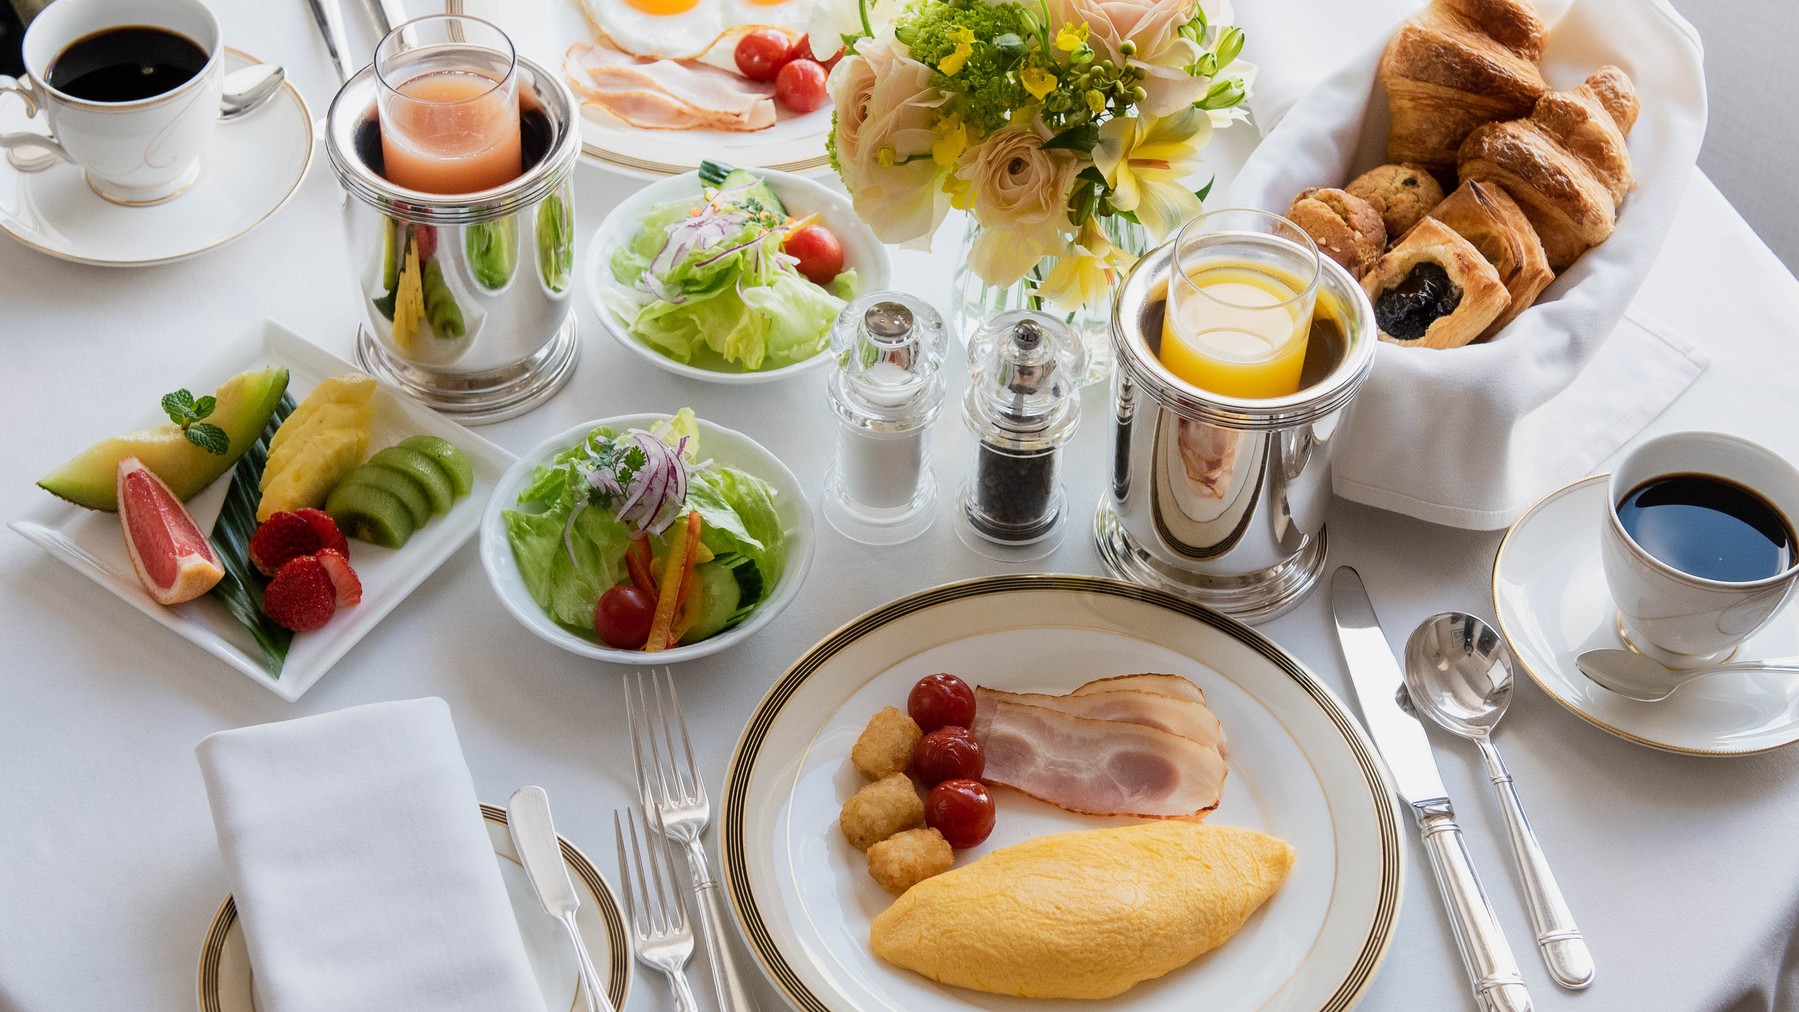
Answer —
1300 769
861 251
224 984
544 32
717 443
90 542
250 168
1552 601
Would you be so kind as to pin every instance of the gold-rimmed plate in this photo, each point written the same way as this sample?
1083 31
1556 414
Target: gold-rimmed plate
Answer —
1552 602
224 983
1300 769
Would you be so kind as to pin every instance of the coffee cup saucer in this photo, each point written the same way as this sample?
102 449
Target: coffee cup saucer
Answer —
1551 598
251 167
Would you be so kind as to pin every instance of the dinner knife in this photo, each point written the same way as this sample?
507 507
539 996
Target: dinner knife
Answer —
330 17
388 14
1492 970
540 851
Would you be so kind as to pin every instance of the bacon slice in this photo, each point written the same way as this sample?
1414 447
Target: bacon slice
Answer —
1100 767
657 94
1164 685
1185 717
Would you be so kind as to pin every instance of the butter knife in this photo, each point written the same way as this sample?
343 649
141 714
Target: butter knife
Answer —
1492 970
330 18
539 850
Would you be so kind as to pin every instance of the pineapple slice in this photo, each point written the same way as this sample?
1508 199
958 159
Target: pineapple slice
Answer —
326 436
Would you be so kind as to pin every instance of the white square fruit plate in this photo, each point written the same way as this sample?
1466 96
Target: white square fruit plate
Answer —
90 542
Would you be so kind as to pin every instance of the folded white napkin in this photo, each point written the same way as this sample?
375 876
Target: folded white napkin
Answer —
363 876
1470 437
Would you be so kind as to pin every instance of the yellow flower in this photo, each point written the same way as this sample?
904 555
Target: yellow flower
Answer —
1071 37
952 64
1145 160
1087 273
1037 81
952 140
1096 102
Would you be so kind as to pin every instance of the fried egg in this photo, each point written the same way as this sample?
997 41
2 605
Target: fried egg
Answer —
791 15
675 29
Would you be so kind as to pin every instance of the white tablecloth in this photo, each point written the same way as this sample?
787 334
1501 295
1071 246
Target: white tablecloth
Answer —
1682 871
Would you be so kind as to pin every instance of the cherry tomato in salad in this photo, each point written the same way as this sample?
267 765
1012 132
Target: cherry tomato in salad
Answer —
941 699
948 753
819 253
760 54
800 84
623 617
962 811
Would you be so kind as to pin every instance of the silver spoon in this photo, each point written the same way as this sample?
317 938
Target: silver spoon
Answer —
1644 679
244 91
1459 673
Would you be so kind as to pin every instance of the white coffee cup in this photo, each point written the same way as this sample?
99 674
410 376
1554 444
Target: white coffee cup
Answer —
138 152
1682 620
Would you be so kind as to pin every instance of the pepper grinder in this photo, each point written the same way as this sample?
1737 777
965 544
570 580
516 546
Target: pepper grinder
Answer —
1022 405
886 389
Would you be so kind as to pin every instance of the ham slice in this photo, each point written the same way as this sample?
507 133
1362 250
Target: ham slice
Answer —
1164 685
656 94
1100 767
1185 717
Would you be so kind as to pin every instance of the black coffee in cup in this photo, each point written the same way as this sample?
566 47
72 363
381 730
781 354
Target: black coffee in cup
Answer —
1708 527
125 64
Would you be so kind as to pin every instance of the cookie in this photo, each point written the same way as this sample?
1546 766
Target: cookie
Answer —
1401 194
1346 228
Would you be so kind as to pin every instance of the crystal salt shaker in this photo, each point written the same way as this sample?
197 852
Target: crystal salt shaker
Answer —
886 390
1022 405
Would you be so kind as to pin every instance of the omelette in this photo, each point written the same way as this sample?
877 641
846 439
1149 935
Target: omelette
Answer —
1087 914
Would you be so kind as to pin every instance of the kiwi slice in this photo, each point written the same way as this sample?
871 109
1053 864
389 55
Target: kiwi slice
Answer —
430 477
369 514
444 453
403 487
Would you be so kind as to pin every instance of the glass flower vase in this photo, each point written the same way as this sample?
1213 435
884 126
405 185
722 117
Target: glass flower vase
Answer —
973 300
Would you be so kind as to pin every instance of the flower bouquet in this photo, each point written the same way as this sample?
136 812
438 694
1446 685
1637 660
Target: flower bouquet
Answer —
1051 122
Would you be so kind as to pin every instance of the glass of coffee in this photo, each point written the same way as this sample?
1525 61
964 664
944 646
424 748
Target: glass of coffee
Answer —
1699 544
128 88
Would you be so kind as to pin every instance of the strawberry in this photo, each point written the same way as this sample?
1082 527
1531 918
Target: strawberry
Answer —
329 535
283 536
343 578
301 597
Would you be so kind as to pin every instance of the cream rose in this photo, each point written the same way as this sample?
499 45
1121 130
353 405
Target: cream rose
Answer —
1017 191
885 107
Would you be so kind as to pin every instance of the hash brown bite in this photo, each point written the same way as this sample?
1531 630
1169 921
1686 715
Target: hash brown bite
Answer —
881 809
886 744
905 859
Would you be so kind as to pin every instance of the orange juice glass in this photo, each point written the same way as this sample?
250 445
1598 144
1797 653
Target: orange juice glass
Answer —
1240 304
448 102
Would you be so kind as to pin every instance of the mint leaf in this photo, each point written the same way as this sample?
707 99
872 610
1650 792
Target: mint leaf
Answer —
204 406
208 437
179 406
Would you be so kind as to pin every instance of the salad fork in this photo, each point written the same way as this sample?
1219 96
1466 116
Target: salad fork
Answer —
664 939
677 794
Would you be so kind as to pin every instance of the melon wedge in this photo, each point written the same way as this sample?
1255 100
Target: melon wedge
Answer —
173 559
245 403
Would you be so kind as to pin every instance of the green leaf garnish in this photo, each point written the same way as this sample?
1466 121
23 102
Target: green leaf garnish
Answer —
185 411
208 437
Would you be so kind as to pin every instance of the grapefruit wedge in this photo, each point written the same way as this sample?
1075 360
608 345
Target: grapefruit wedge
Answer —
173 559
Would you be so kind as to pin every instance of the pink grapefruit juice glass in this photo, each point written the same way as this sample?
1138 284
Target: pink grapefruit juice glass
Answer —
448 102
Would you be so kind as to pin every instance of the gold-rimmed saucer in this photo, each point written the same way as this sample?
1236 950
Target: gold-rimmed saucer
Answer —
224 979
250 168
1552 602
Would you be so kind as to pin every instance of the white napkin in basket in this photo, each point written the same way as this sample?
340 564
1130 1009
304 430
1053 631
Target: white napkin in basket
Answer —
362 873
1470 437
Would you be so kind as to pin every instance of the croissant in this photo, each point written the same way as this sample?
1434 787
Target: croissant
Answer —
1454 66
1484 215
1566 164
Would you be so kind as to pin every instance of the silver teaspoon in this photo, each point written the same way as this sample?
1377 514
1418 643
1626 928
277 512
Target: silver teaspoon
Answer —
1459 674
1635 676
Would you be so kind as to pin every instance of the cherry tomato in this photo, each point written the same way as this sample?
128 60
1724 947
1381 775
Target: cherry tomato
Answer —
819 252
800 84
961 810
623 617
949 753
761 53
941 699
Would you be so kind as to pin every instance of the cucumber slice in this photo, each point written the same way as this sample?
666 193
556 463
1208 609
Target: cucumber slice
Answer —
719 599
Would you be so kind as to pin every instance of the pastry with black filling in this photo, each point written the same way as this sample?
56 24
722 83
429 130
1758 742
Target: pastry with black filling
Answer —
1434 289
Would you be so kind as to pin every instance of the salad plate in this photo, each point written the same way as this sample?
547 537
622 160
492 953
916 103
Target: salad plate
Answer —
225 984
1300 768
250 169
1552 602
90 541
862 252
545 32
717 444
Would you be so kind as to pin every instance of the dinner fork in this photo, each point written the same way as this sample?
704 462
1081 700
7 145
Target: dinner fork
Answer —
657 909
675 791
